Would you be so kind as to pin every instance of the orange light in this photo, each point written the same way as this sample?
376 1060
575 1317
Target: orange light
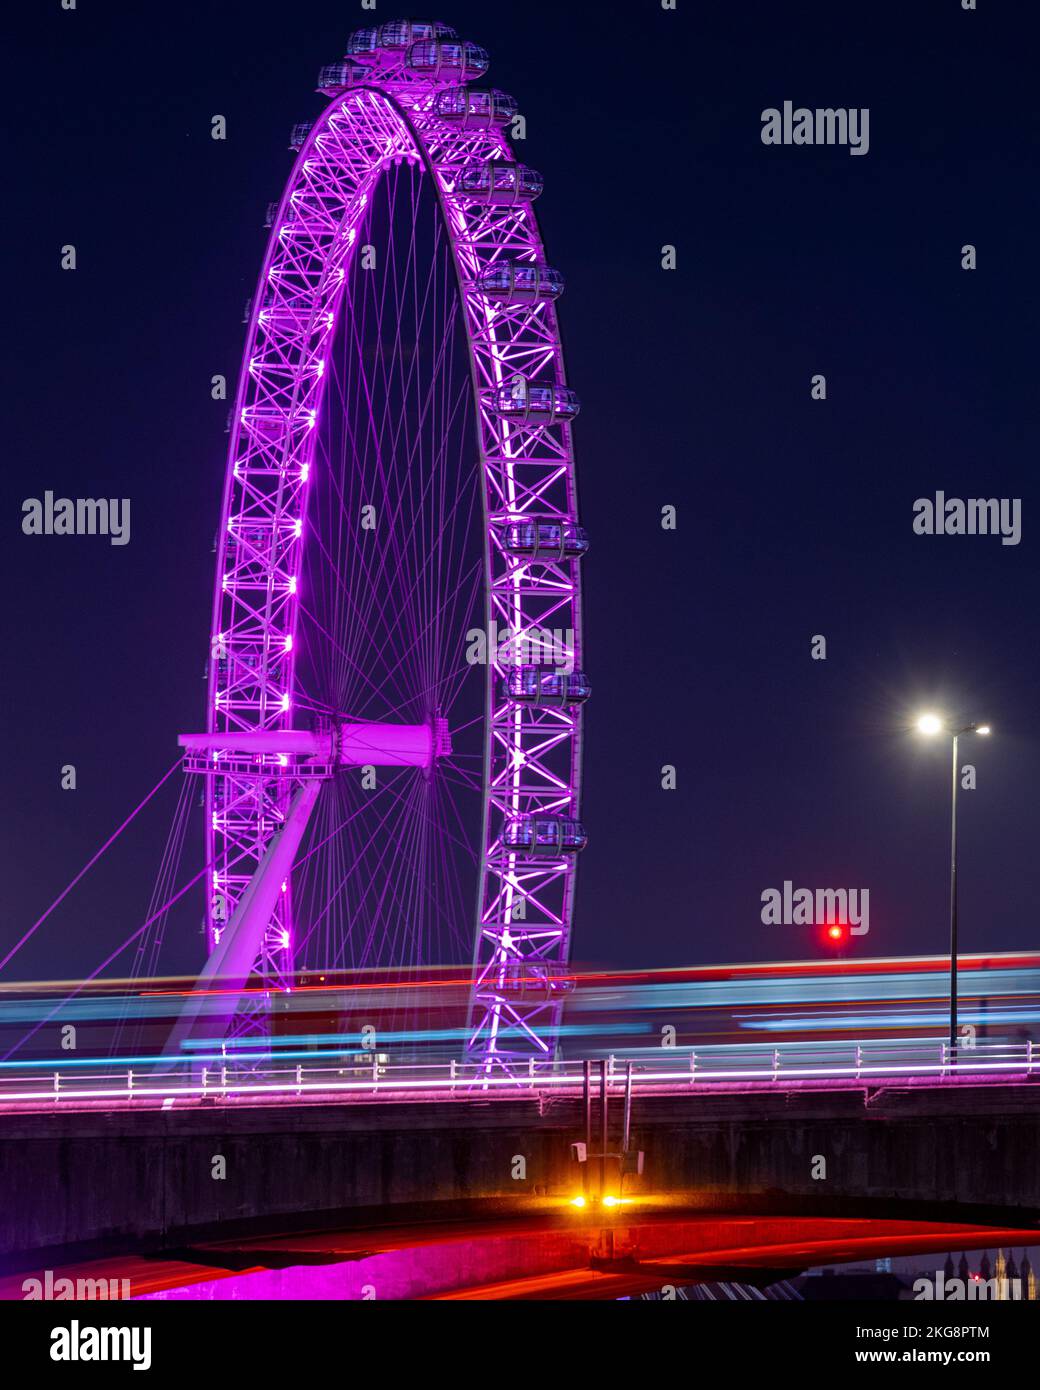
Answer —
577 1201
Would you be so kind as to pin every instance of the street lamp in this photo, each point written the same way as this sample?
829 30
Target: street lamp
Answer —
930 725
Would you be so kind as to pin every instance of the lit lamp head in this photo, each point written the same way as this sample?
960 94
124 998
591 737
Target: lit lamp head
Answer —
932 724
929 724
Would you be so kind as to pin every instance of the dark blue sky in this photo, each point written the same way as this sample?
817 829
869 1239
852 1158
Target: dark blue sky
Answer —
794 517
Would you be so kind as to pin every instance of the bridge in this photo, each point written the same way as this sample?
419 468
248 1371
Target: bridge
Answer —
454 1191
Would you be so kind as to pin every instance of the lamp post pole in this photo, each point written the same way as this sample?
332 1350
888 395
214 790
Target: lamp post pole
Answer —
930 725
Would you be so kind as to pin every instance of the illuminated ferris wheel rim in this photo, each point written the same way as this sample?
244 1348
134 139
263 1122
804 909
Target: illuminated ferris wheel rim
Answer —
399 97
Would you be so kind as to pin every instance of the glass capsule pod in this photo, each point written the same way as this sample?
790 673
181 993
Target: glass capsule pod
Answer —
300 131
543 836
546 686
474 110
450 58
498 183
333 76
531 979
363 45
271 216
534 403
396 37
539 539
514 282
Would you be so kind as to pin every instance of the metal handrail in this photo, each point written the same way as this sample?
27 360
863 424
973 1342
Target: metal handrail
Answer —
190 1080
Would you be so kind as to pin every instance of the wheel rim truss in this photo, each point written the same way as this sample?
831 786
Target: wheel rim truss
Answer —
532 755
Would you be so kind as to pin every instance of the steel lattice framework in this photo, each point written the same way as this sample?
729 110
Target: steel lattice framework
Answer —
401 95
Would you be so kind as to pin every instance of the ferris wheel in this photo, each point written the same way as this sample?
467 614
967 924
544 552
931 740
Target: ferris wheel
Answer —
392 752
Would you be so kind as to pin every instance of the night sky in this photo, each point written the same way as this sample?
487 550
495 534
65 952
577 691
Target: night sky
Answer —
794 516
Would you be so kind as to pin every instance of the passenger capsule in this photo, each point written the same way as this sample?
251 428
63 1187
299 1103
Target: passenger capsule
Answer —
498 183
514 282
543 837
533 403
333 77
467 109
448 58
541 685
300 131
366 45
530 979
542 539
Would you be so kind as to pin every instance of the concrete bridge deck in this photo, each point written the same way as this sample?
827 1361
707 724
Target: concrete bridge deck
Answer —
83 1183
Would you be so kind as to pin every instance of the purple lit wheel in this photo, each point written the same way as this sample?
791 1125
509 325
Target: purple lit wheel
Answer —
400 476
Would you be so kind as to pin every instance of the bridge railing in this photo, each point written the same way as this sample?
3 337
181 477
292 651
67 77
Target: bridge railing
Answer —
106 1084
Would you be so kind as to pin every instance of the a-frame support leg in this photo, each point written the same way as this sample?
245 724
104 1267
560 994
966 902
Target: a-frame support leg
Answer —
219 987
